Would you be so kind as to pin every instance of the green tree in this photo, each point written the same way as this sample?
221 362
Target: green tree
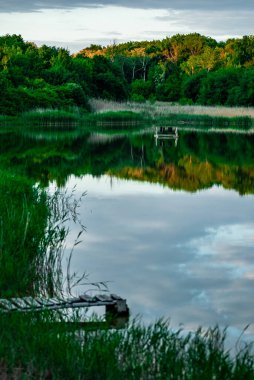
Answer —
217 86
191 85
141 89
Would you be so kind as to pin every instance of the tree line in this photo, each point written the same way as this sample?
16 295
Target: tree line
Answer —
189 69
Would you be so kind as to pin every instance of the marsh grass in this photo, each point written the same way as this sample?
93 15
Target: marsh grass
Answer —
22 223
161 113
33 232
156 352
112 116
5 119
8 122
158 109
131 114
242 122
117 121
72 119
116 115
53 117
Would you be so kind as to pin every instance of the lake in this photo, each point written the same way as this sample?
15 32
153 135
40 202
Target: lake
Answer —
169 222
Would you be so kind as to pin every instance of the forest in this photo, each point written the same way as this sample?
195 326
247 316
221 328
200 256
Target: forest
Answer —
187 69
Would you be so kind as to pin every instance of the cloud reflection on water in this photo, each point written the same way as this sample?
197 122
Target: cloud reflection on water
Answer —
187 257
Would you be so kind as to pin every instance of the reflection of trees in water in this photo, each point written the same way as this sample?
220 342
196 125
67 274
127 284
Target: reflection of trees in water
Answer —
198 161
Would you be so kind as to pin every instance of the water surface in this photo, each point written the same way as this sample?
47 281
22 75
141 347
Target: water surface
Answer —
187 257
169 223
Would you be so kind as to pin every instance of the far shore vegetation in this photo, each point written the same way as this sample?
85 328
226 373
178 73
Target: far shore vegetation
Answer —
130 115
139 81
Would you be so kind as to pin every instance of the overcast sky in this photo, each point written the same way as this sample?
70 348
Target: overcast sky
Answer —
75 24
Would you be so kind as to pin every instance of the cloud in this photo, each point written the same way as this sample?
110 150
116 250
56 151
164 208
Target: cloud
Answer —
34 5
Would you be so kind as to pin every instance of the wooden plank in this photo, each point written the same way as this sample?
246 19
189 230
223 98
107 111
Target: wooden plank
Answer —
45 302
81 304
116 297
122 307
86 298
20 303
72 300
104 297
7 305
32 302
57 301
112 302
119 308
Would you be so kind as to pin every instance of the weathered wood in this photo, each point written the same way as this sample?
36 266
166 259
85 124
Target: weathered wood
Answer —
115 297
86 298
32 302
118 308
103 297
72 300
113 303
19 302
45 302
7 305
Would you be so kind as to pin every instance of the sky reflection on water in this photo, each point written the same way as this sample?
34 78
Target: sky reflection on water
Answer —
183 256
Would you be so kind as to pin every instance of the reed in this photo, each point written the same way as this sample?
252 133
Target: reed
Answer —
53 117
242 122
33 232
158 109
155 352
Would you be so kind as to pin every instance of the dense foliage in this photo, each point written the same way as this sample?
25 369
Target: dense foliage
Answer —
185 68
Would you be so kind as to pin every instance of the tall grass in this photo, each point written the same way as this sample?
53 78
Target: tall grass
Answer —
22 223
129 114
242 122
62 119
33 232
156 352
116 120
52 117
159 109
7 121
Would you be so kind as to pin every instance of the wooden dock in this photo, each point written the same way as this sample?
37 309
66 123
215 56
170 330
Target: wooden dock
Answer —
114 304
166 133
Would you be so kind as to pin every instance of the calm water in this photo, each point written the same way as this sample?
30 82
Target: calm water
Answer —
188 257
169 224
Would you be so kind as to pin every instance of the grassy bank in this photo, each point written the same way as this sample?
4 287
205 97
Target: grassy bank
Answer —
116 119
23 220
130 115
239 122
161 113
71 119
53 118
165 108
139 352
32 237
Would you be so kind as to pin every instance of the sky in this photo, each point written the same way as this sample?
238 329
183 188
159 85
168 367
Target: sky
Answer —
75 24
